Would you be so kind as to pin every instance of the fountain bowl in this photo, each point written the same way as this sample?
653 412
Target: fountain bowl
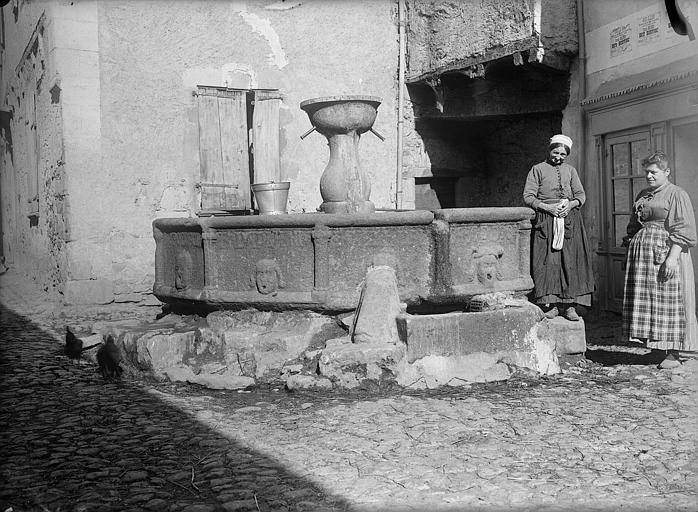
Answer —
342 114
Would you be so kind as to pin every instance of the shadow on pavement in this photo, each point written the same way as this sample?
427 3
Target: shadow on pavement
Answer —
607 346
70 441
611 358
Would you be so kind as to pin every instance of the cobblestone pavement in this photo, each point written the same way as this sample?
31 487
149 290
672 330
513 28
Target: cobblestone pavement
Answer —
595 438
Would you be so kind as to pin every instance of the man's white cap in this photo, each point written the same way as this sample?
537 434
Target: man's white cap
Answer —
562 139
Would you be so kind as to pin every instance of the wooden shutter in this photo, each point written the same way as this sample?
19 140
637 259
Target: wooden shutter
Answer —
223 149
265 136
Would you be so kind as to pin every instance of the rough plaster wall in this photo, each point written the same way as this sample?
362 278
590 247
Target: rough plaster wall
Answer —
35 245
444 33
155 56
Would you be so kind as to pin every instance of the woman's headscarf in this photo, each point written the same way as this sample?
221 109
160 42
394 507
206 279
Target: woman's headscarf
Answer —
562 139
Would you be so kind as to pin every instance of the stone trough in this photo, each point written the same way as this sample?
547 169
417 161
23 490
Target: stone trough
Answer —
418 298
318 261
275 287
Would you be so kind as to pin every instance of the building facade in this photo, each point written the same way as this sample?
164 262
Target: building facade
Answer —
640 95
115 113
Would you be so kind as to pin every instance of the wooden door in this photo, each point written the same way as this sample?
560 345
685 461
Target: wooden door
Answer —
623 179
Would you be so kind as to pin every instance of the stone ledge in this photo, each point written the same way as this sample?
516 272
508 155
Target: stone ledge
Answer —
569 337
454 334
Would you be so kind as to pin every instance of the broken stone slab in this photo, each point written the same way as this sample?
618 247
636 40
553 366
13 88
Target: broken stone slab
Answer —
157 349
569 337
270 338
256 344
433 371
211 381
347 363
300 381
509 334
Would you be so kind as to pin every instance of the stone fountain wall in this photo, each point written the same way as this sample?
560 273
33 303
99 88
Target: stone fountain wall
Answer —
318 261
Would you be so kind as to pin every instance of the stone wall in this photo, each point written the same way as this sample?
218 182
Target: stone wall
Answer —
446 35
32 159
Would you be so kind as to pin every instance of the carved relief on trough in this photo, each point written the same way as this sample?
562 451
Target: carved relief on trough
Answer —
267 277
184 266
487 260
318 261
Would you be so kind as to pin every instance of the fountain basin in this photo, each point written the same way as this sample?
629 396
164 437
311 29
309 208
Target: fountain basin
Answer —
342 114
344 186
317 261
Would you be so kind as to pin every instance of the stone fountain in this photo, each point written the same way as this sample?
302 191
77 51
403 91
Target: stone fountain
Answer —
467 268
345 187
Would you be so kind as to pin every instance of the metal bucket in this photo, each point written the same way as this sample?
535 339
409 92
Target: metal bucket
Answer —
271 197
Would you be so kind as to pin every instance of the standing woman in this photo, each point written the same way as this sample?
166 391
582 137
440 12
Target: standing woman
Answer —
560 256
659 296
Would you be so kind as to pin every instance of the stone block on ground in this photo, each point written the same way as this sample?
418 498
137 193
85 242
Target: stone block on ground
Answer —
348 363
157 350
433 371
509 334
222 381
569 337
274 338
300 381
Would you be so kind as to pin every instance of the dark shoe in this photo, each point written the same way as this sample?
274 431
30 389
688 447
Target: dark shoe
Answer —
552 312
571 314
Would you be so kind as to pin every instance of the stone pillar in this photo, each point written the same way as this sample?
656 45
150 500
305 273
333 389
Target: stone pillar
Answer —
524 248
442 261
160 256
379 306
321 241
210 269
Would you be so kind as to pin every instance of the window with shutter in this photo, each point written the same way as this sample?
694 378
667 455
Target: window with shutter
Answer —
238 145
223 149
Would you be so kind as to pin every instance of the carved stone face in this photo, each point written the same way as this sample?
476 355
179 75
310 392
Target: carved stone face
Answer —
267 277
267 282
487 269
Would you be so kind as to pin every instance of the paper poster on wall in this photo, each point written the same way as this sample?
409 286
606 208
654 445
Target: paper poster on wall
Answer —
637 35
648 29
620 40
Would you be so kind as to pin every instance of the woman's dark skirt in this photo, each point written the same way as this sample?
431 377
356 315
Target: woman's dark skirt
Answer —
566 275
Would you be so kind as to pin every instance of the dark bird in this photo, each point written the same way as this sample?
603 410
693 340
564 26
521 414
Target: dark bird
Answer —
108 359
73 345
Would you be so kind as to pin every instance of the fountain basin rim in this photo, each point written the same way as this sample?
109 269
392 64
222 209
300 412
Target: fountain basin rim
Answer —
397 218
485 214
298 220
316 102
